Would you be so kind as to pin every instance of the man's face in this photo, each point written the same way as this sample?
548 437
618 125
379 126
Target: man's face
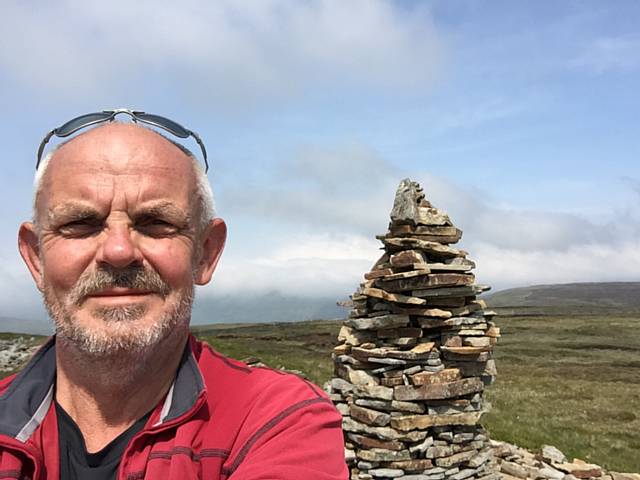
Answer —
119 243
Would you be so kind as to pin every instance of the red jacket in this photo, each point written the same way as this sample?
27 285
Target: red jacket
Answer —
220 420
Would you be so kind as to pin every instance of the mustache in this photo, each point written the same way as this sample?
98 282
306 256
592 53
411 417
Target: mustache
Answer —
104 278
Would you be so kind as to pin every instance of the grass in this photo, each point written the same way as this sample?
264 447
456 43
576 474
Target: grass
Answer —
568 381
572 381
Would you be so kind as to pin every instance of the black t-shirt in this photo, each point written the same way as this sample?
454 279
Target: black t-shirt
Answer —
78 464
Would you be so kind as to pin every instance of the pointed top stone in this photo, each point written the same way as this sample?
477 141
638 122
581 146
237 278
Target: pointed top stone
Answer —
411 207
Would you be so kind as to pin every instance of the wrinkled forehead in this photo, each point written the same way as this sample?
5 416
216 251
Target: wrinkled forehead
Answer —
114 157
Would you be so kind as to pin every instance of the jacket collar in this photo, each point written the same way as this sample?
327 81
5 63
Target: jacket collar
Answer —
25 403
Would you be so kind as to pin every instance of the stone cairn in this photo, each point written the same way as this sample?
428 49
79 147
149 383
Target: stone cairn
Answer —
415 355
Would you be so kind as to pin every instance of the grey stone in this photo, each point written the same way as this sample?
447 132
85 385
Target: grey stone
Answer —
422 446
513 469
383 433
412 370
462 437
552 454
382 455
376 323
358 377
387 361
433 476
405 204
455 459
480 459
354 337
386 472
349 455
377 404
462 474
411 407
551 473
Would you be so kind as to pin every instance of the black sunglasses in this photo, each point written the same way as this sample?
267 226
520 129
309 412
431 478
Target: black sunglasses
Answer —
78 123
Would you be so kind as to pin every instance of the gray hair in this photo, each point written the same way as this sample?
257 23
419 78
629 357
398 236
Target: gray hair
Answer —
203 192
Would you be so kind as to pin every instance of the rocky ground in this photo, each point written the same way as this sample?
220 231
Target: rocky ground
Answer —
517 463
16 351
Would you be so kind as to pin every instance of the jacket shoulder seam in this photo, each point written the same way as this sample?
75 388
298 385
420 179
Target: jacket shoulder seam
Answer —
267 427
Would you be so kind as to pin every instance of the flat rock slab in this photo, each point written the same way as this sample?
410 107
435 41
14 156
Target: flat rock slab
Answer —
368 442
377 323
414 465
444 292
382 455
420 422
369 416
428 378
383 433
443 231
392 297
466 350
431 280
431 313
580 469
434 248
438 391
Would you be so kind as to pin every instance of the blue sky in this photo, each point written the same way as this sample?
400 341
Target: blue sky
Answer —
520 119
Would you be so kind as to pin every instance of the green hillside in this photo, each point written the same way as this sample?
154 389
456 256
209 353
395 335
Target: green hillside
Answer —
564 298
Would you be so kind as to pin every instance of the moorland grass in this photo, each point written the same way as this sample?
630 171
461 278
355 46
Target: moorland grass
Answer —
568 381
572 381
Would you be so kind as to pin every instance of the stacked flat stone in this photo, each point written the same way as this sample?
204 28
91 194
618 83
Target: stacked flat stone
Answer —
415 355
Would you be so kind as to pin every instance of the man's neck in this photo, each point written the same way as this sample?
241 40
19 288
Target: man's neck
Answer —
106 395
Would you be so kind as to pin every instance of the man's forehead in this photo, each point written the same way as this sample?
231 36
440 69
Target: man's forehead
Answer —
117 160
119 146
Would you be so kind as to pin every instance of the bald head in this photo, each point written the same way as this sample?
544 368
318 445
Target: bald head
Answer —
124 151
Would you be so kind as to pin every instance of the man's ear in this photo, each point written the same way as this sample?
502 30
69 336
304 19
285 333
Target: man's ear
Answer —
29 247
211 245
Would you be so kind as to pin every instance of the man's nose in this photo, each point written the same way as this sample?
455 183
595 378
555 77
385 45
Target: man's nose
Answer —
119 248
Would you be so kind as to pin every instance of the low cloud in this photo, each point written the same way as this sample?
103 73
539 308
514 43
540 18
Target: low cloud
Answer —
598 262
314 235
335 190
321 265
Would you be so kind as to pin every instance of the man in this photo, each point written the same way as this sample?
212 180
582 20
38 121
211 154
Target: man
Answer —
123 228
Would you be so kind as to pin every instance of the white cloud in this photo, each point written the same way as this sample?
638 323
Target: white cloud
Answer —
599 262
605 54
341 189
301 265
230 50
316 230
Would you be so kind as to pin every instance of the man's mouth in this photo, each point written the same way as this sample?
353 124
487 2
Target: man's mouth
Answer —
120 292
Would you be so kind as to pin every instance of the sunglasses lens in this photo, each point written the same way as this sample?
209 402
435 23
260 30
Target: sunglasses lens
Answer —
77 123
175 128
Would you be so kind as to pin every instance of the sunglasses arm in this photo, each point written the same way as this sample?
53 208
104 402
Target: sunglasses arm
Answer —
204 150
42 145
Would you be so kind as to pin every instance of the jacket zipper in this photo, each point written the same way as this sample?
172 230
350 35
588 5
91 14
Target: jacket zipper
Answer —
160 428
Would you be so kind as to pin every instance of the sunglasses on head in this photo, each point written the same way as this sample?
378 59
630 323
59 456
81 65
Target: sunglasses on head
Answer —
83 121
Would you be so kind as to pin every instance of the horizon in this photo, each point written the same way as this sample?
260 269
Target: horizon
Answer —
519 121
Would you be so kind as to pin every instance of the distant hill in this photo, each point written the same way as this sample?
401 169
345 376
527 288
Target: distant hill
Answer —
623 296
266 308
21 325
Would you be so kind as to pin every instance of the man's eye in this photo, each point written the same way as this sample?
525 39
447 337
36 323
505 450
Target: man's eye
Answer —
79 228
156 228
